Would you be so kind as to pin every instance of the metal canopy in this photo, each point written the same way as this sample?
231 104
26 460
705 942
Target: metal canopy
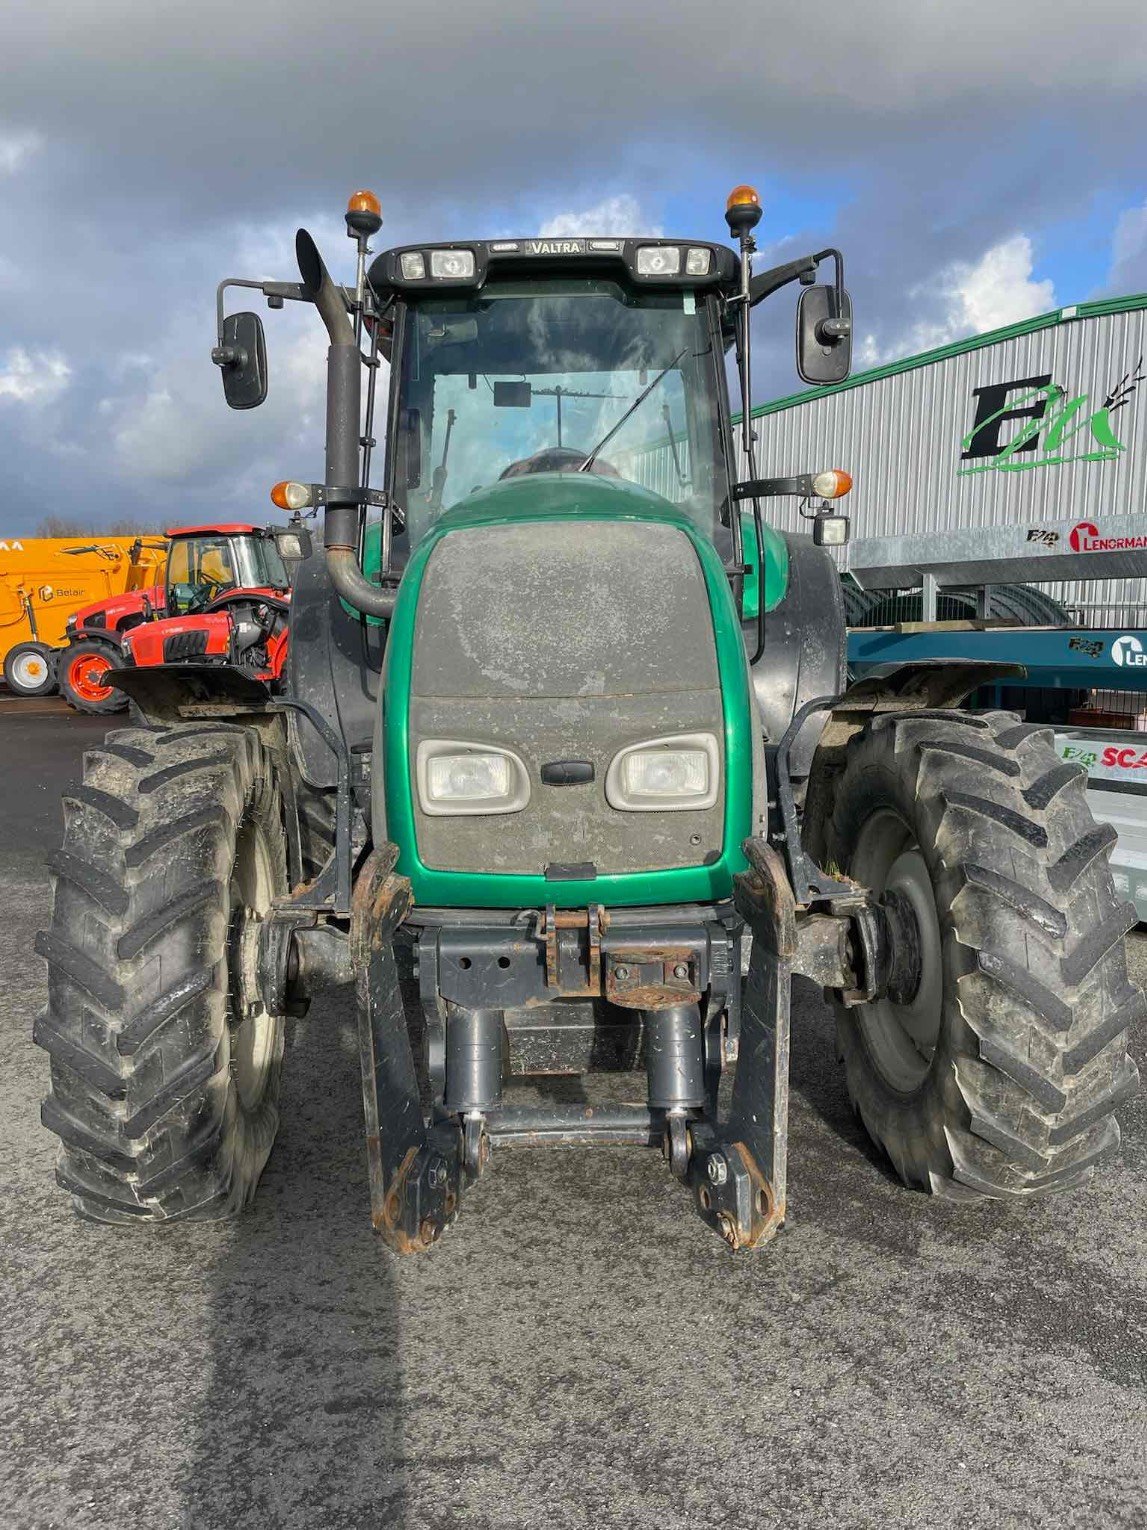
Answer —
1107 547
1072 658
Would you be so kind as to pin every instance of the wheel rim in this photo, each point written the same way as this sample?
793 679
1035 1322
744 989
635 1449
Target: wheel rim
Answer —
253 1030
86 676
29 671
902 1037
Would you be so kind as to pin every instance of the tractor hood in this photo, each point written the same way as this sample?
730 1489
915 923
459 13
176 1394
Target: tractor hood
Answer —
561 620
107 614
591 495
540 495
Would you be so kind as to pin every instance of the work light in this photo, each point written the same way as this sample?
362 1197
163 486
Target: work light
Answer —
658 260
452 265
413 266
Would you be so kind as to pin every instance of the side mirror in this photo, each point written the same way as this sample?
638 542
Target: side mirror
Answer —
241 356
824 336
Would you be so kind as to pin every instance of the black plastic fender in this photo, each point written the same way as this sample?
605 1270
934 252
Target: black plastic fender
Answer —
805 650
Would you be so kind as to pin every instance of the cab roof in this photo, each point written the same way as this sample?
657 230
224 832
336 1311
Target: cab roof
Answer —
603 255
220 529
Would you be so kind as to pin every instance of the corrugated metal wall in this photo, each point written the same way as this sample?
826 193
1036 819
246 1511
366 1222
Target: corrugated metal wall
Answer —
900 436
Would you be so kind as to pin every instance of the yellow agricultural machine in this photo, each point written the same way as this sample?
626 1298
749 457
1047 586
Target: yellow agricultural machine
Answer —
44 579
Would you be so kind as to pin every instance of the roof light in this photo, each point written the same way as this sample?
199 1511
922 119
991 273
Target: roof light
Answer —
289 495
742 196
365 201
505 246
413 266
363 215
831 484
452 265
698 261
658 260
743 209
605 244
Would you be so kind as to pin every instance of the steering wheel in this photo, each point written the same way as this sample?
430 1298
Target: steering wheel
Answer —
557 459
205 592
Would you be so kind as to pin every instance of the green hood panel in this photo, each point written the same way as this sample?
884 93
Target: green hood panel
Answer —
540 498
776 567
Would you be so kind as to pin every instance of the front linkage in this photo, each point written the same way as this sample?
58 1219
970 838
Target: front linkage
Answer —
483 982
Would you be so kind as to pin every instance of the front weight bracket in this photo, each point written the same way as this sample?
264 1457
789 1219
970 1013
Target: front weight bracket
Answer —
415 1173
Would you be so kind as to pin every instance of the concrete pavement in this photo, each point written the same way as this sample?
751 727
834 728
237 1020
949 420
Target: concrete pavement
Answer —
579 1351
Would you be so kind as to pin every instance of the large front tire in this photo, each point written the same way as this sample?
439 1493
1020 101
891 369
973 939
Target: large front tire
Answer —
165 1068
995 1063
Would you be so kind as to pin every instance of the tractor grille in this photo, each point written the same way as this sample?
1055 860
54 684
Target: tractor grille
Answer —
565 641
184 645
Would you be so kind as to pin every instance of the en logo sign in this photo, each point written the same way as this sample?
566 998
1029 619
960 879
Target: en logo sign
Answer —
1053 427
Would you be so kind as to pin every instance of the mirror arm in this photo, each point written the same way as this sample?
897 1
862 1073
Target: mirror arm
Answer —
276 294
838 326
763 286
804 270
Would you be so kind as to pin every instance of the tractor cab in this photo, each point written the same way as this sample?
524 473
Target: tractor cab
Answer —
583 357
205 563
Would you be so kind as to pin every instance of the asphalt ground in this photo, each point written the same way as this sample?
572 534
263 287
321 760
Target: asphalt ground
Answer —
579 1351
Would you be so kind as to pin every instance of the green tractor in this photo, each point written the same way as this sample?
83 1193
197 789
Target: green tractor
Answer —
567 779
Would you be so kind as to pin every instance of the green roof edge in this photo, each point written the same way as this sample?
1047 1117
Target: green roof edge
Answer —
1068 313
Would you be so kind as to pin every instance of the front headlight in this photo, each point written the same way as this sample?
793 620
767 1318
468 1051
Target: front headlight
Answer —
456 777
667 775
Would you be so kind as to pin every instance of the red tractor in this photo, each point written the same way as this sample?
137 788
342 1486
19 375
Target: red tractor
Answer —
224 601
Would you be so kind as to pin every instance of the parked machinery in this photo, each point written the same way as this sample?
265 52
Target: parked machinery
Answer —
223 601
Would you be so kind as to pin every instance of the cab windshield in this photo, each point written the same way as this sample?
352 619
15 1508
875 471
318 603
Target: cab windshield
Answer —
519 379
200 569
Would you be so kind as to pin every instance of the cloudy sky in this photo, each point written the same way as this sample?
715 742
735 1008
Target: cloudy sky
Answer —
978 161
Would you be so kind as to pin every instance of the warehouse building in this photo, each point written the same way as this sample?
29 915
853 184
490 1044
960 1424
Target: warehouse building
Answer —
1042 421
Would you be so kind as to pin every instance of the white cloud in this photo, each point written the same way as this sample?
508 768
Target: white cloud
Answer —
620 215
180 432
16 149
999 288
973 297
33 376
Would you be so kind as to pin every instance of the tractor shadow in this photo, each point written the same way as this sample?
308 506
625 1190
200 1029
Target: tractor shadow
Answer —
818 1078
300 1419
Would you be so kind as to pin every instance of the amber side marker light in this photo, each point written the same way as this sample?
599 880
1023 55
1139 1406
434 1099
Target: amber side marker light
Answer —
289 495
831 484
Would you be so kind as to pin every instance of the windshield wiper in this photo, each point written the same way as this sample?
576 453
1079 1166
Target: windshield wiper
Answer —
633 408
667 416
438 478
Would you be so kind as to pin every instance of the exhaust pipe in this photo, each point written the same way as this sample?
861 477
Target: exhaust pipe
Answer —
344 413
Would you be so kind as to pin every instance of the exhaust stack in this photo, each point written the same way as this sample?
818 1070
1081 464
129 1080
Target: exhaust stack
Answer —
344 414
